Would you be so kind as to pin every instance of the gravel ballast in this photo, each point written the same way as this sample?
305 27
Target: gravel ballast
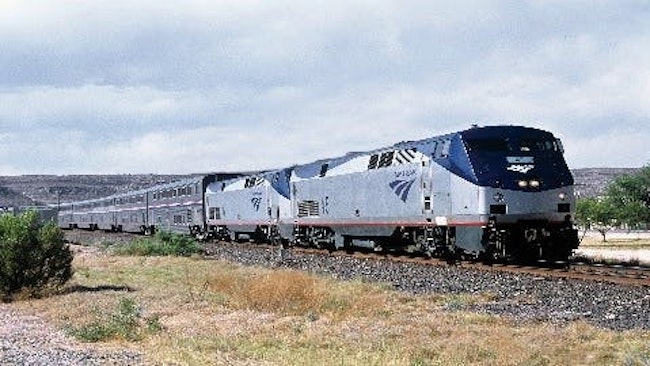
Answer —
28 340
521 297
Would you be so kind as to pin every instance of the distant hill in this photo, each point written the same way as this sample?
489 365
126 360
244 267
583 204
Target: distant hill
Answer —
36 190
592 182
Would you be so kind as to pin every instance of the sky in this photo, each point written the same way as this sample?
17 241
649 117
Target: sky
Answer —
193 86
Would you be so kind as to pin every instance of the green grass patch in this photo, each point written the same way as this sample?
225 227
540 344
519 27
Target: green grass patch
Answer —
162 244
124 323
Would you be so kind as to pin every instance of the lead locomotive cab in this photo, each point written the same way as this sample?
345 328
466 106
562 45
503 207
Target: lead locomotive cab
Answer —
527 193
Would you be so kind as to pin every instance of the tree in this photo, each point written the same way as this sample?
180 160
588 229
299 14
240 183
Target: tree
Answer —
630 195
627 201
33 256
597 213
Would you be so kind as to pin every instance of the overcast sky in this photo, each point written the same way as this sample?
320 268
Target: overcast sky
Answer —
141 86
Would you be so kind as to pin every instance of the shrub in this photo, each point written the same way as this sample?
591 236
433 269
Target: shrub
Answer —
33 256
125 323
162 244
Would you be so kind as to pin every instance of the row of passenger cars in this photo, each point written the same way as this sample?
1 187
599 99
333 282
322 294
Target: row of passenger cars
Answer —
175 207
498 192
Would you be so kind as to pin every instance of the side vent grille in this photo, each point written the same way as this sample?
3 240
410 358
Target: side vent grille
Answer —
405 156
308 208
386 159
373 161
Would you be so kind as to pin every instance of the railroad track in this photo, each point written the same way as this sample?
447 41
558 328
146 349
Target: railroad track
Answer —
632 272
619 274
636 276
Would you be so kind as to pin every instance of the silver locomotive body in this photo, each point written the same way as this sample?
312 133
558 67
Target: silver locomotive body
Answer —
495 192
249 207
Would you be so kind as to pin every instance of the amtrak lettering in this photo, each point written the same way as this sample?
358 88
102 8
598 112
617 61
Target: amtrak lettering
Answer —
521 164
520 159
405 173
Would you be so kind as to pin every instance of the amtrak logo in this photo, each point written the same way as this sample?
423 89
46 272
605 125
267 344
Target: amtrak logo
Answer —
521 168
520 164
402 188
256 201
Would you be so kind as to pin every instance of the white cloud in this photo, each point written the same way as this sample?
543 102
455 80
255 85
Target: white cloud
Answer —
618 148
139 86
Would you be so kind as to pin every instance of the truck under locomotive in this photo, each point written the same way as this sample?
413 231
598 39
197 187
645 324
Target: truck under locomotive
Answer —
497 192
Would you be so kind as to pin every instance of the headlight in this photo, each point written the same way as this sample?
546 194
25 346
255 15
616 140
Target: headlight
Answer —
522 184
534 183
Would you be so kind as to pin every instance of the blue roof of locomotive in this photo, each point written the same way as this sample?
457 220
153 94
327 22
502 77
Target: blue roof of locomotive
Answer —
484 169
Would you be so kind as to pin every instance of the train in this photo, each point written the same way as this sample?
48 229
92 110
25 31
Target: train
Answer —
45 214
497 193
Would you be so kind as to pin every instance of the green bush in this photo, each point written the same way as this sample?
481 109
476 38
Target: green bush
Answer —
126 324
162 244
33 256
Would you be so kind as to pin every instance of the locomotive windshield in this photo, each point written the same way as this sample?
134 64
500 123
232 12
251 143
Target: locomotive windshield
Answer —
487 145
505 145
537 145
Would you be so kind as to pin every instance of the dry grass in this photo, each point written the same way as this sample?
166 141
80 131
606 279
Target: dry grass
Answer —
219 313
614 243
615 239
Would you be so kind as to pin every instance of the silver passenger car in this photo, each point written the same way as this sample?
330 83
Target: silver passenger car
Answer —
174 207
